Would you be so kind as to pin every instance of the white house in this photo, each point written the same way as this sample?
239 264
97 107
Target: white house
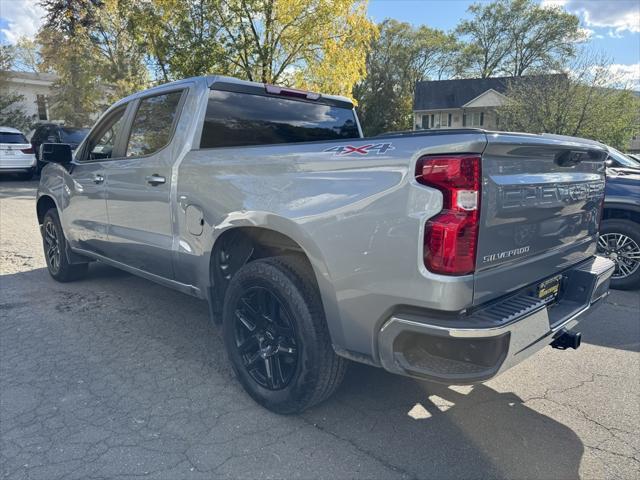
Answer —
466 102
36 90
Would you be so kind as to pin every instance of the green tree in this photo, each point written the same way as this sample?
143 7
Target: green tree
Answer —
583 102
27 56
12 113
66 50
318 44
516 37
118 59
180 37
398 58
488 41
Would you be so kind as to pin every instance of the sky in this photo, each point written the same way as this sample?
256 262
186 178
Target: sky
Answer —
613 26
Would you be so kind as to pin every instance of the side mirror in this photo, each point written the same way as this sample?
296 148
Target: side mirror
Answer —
56 153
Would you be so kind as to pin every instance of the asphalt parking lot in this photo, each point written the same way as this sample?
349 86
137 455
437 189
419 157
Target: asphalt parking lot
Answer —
117 377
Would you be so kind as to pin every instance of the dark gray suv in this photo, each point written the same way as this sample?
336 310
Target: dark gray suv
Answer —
55 133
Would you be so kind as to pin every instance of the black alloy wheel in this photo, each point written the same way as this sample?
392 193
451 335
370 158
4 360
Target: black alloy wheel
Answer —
55 250
51 245
276 335
265 338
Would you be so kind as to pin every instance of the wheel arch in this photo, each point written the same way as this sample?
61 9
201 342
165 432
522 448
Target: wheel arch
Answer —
251 241
622 211
43 205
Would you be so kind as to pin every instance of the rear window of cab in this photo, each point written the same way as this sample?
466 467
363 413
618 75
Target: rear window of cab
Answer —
10 137
236 119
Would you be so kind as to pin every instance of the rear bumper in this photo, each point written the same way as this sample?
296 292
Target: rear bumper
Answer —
16 164
493 338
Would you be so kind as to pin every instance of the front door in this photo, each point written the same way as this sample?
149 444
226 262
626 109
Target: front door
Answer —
86 209
139 188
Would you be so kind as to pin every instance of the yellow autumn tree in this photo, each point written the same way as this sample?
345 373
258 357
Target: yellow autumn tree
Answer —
315 44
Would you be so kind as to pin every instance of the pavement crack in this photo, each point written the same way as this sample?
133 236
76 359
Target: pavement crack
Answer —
362 450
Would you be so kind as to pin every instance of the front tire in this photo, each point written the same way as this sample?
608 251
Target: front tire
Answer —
276 336
55 247
620 241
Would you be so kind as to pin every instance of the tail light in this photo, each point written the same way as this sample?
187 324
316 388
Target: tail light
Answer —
27 150
451 237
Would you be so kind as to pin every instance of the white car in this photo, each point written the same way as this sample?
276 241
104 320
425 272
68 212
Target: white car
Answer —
16 153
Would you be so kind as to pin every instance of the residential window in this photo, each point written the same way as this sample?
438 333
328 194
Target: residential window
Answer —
153 124
473 119
445 119
425 121
41 102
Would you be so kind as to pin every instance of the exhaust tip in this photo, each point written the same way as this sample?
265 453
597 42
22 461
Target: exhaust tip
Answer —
566 340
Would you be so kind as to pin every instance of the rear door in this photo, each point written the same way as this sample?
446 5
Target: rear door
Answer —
540 209
139 187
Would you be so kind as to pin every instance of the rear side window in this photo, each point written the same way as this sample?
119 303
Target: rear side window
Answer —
8 137
238 119
153 124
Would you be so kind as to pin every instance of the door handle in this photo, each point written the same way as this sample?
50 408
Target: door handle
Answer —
155 179
98 179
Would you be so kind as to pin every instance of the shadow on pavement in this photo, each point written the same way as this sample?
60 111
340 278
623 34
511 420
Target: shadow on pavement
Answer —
435 431
130 334
13 187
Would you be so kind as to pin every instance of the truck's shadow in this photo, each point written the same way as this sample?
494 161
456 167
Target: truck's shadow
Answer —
434 431
132 333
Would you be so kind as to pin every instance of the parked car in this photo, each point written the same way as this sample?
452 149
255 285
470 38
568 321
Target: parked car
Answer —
16 154
617 159
55 133
620 228
446 255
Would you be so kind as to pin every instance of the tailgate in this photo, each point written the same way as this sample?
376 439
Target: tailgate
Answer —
540 208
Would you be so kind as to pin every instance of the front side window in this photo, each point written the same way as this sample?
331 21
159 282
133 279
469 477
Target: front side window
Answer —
153 124
621 159
103 140
240 119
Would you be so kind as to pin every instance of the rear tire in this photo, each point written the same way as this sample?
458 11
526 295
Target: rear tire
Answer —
627 273
277 338
55 248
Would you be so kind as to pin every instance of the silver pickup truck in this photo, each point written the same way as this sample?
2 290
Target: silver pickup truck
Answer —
449 255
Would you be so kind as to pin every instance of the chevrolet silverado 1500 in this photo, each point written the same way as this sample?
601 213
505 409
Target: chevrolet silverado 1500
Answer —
449 255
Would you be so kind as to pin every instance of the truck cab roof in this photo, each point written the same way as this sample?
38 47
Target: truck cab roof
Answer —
240 85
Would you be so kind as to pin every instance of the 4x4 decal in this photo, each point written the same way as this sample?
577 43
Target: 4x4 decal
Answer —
378 148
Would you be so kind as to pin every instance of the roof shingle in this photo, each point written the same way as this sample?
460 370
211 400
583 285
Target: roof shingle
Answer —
441 94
